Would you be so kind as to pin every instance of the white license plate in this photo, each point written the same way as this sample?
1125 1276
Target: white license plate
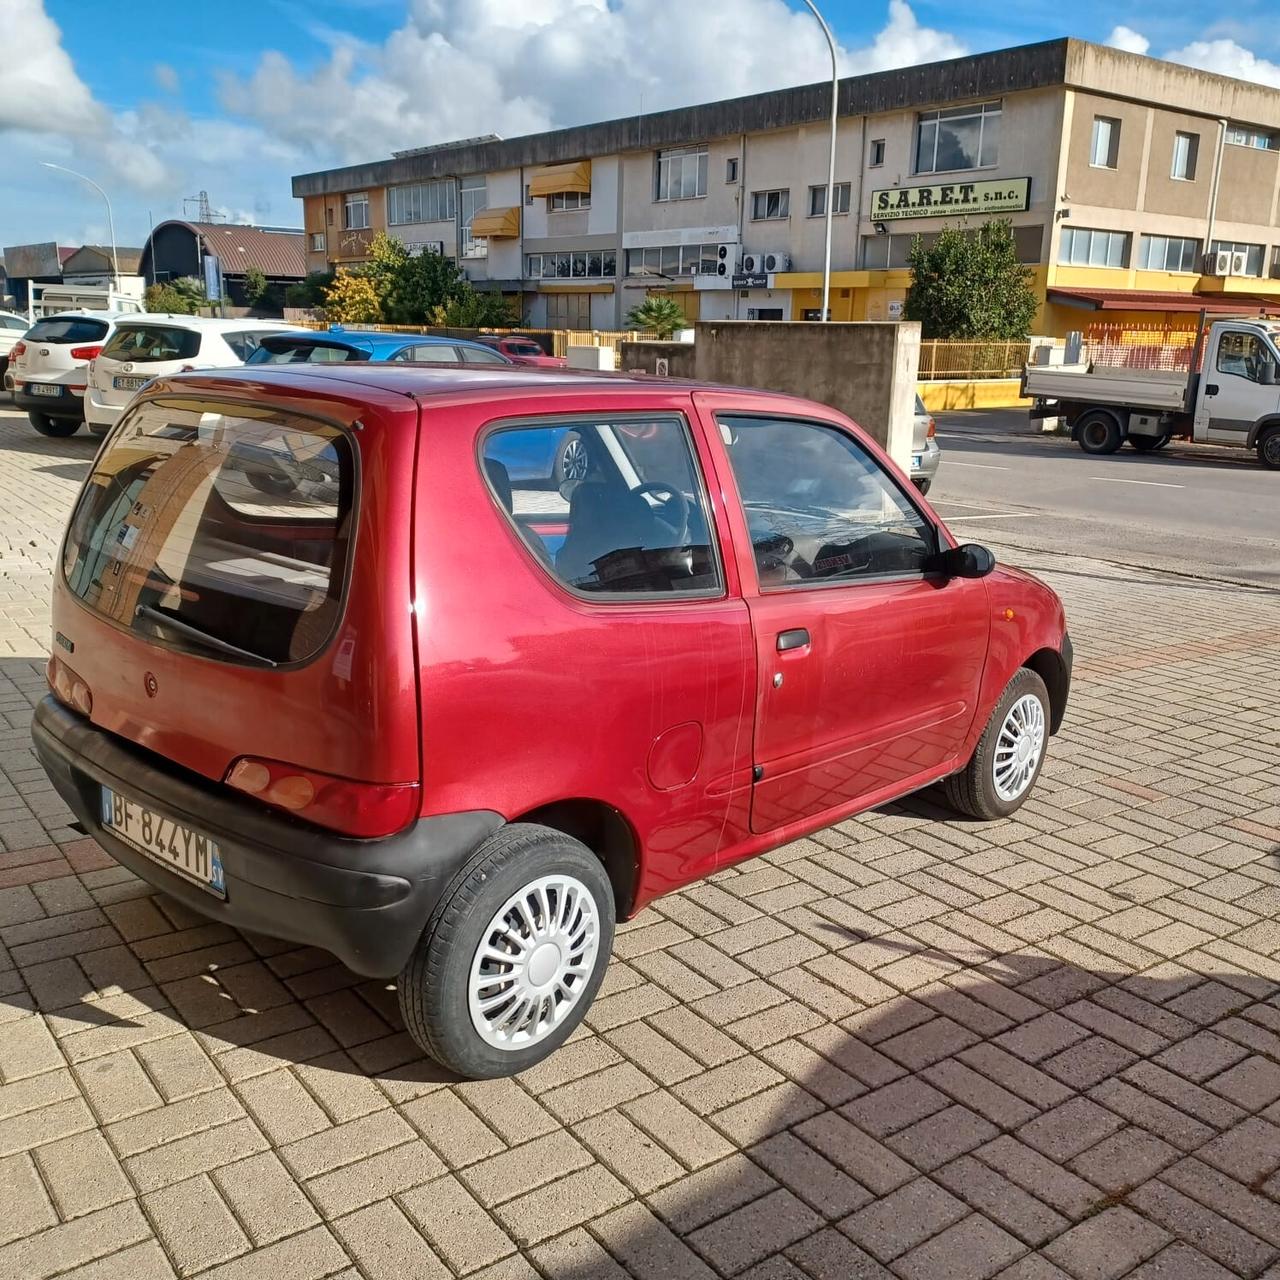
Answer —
124 383
164 841
43 389
917 459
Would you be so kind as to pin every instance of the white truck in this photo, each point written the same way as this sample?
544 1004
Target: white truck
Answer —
1223 388
50 299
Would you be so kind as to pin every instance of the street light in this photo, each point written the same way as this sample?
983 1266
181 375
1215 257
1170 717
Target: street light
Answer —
831 161
111 223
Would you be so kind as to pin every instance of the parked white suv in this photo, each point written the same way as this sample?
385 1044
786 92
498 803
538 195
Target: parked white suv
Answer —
49 368
151 346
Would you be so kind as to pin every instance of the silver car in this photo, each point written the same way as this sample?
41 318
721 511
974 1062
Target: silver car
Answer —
925 454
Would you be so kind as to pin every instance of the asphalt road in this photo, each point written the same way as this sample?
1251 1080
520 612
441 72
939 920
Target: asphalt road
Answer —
1199 510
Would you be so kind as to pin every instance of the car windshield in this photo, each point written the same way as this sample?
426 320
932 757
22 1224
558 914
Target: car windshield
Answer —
152 343
68 330
216 529
523 347
920 409
304 351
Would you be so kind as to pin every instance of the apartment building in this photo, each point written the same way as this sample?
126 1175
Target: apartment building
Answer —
1135 187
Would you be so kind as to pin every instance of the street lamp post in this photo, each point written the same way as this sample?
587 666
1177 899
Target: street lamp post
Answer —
111 223
831 160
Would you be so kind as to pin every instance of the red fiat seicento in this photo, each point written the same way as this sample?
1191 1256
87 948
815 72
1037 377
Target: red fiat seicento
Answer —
337 660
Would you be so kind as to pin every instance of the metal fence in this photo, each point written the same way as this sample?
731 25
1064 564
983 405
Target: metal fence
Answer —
942 360
1141 346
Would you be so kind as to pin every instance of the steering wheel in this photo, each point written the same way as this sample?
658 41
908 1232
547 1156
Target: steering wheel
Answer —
672 510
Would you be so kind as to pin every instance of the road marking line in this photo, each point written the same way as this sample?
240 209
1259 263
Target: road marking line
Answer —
1154 484
980 466
1001 515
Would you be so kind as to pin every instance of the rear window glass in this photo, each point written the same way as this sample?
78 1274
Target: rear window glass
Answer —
152 343
518 348
220 531
67 329
244 342
481 355
303 351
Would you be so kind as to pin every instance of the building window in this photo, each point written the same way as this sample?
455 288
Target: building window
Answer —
674 260
355 211
1081 247
580 264
768 206
474 196
731 169
1253 254
1186 147
1169 253
877 152
818 199
1259 139
1104 152
958 138
681 174
422 202
317 242
567 201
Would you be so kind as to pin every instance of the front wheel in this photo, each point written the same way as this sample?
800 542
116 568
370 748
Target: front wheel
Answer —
1148 444
47 426
1269 449
1099 433
512 956
1009 755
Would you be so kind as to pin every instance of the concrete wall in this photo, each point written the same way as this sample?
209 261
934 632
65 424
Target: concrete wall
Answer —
642 357
867 371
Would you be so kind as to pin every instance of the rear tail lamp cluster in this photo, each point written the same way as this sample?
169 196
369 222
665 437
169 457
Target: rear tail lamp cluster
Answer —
363 809
933 429
67 687
19 350
86 353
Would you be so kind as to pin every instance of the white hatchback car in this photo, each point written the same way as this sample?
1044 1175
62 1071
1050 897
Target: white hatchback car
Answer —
12 327
48 367
151 346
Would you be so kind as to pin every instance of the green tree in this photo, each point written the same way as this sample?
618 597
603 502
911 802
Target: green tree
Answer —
969 284
310 291
255 285
352 299
659 313
183 296
471 309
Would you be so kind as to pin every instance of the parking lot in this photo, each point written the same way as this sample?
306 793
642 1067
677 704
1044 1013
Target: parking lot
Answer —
907 1047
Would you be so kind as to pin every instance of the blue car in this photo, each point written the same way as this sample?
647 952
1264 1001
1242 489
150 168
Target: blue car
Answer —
339 345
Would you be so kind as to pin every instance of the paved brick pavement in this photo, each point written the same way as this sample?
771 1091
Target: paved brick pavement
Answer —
907 1047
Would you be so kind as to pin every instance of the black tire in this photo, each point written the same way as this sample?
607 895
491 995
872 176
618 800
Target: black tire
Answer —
1148 444
923 486
972 791
1099 433
276 483
1269 448
572 461
47 426
433 986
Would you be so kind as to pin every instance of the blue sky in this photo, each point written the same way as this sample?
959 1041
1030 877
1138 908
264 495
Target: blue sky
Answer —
235 96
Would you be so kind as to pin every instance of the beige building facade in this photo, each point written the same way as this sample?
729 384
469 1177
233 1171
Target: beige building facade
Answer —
1137 189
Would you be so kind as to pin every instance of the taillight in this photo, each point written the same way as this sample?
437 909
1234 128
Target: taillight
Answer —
19 350
933 429
67 687
355 808
86 353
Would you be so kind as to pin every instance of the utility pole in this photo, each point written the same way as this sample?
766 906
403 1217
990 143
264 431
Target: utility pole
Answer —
831 161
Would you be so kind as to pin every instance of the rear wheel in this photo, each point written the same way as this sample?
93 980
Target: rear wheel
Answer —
278 484
572 461
1269 449
48 426
1148 444
512 956
1099 433
1007 760
922 485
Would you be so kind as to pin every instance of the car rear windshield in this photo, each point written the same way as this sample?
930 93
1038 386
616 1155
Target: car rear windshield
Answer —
523 347
67 330
152 343
219 530
304 351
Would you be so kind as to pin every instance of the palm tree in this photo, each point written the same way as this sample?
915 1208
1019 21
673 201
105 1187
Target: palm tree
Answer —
659 313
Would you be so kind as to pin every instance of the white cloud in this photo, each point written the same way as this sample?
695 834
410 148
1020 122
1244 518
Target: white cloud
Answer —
1129 40
460 67
166 77
39 88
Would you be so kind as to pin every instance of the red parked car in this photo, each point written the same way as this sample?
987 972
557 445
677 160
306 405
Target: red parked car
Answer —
522 350
450 724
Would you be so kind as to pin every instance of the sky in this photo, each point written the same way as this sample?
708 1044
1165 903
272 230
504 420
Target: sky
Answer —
157 100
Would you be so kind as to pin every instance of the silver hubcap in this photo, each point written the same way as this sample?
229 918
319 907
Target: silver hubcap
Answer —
573 461
533 962
1019 747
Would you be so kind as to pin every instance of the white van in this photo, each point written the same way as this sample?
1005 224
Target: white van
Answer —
149 346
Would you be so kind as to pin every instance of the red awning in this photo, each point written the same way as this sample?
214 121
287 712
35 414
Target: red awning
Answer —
1153 300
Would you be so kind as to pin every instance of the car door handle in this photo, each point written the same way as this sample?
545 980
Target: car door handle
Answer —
796 638
1211 389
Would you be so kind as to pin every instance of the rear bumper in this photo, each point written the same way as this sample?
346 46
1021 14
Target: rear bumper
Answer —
65 405
366 901
930 458
100 416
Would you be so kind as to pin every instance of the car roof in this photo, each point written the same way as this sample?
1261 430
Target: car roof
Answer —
375 339
215 324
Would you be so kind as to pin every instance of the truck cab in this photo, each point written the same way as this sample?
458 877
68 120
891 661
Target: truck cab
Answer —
1238 402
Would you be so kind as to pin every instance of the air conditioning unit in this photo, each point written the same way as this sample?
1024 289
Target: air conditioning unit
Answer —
752 264
1226 262
777 262
727 259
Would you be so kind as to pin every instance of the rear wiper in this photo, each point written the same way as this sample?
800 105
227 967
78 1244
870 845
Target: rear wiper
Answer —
200 637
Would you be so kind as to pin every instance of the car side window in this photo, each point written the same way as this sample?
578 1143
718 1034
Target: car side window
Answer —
481 355
1246 356
819 508
614 507
433 353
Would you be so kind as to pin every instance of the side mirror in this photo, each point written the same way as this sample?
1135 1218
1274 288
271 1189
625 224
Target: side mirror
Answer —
1267 374
972 560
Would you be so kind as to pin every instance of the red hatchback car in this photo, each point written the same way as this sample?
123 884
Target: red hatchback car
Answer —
450 725
522 350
